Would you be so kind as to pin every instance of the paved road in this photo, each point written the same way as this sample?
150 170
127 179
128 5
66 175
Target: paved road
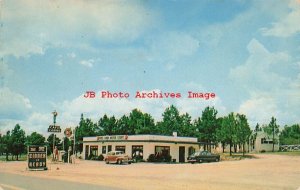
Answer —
19 182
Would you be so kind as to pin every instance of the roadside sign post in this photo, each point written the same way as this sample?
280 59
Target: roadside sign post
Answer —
70 134
54 129
37 157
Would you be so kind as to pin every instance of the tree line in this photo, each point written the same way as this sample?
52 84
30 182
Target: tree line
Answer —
15 142
232 130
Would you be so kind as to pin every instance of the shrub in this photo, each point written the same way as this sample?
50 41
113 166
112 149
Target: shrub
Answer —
90 157
100 157
151 158
167 158
160 158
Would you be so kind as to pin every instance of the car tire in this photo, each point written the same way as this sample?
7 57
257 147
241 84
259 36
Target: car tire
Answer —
192 162
119 162
217 159
200 161
107 162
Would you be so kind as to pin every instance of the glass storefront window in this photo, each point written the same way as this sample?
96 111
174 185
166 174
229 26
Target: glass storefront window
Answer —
103 149
162 150
137 152
191 150
94 150
120 148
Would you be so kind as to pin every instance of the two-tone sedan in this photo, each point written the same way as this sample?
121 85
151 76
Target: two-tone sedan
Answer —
117 157
203 156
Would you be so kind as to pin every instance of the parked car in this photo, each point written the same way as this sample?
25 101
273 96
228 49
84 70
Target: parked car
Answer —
117 157
203 156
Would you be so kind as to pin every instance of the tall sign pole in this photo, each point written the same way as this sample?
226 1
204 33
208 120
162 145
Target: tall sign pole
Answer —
54 122
54 129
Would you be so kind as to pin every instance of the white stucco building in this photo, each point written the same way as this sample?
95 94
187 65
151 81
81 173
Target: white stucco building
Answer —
142 146
263 142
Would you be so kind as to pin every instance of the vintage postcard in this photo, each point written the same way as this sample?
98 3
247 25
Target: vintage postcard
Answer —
149 94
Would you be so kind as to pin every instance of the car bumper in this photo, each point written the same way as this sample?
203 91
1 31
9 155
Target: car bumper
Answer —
192 160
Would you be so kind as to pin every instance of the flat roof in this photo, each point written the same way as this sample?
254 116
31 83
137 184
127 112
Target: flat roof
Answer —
141 138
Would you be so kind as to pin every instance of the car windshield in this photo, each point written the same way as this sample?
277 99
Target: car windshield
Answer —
196 154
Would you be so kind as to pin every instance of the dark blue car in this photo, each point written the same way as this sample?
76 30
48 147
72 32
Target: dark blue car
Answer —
203 156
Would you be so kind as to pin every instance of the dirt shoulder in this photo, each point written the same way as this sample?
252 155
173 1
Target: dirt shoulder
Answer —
263 172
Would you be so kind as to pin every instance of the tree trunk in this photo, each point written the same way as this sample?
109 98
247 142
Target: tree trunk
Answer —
248 146
273 140
230 152
223 147
17 157
243 149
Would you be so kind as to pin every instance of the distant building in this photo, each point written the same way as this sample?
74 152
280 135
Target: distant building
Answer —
263 142
179 148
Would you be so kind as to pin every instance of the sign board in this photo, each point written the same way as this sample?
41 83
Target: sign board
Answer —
114 137
68 132
37 157
54 129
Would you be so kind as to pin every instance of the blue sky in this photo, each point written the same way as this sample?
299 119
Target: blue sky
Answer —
52 52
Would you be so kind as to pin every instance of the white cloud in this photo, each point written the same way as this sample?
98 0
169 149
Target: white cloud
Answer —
259 108
71 55
288 25
211 35
106 79
88 63
171 46
256 72
41 24
5 73
35 122
59 62
271 93
170 66
8 125
195 106
39 122
13 105
95 108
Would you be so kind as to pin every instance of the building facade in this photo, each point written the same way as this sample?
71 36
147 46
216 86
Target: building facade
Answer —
262 143
142 146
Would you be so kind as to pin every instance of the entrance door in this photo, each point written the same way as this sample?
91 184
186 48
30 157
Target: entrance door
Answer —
181 154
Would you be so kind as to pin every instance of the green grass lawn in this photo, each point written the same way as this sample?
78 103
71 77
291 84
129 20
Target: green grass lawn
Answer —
239 156
235 156
23 157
